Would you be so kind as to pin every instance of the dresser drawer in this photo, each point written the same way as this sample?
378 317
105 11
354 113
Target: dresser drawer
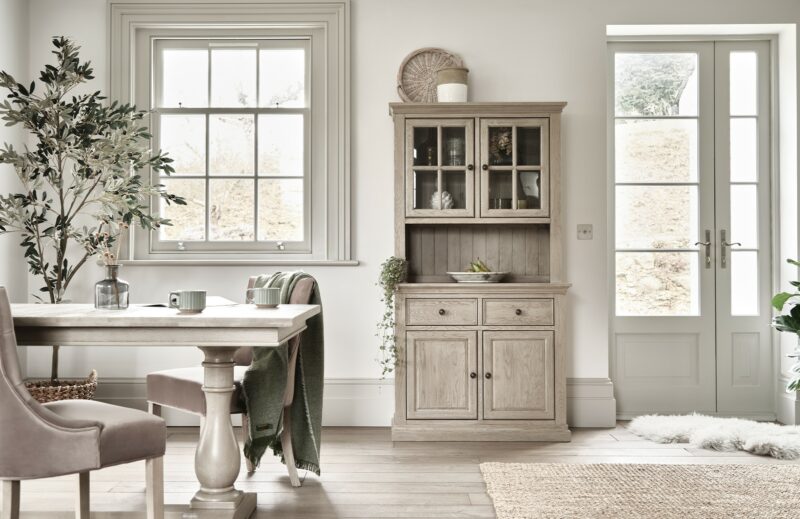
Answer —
426 312
519 312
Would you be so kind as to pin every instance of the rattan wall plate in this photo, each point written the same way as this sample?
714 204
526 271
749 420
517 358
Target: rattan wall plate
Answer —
416 79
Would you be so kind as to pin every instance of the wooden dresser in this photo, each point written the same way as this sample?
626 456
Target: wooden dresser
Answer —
479 361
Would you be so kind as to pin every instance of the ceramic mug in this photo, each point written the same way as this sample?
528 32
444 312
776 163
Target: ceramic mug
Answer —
264 297
188 301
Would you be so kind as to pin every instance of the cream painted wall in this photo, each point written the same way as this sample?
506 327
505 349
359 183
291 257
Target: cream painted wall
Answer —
517 50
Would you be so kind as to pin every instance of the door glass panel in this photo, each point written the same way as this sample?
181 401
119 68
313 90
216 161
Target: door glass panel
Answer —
454 190
501 148
744 83
529 190
455 146
657 283
231 143
233 78
656 217
425 187
426 147
529 146
280 145
650 150
744 149
744 282
500 193
231 215
185 78
744 215
282 77
183 137
188 221
659 84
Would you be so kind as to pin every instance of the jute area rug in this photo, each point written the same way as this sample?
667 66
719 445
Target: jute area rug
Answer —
545 490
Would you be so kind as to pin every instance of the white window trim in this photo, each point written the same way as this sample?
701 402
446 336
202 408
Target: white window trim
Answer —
131 20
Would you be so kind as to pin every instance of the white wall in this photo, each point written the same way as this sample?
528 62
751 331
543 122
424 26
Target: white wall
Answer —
517 50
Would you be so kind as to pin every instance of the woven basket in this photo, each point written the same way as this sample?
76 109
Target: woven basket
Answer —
48 391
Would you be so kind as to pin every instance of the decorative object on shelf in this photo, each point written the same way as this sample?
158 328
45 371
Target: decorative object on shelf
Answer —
478 277
81 180
112 292
451 84
790 323
44 391
500 147
393 272
500 203
445 201
455 151
529 180
416 79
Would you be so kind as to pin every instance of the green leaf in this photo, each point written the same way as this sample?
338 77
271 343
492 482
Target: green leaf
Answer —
779 300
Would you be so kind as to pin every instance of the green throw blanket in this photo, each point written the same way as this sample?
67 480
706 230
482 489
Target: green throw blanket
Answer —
264 384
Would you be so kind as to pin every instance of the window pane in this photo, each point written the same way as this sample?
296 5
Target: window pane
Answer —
282 77
188 221
744 215
655 84
185 78
280 145
231 144
233 78
744 150
183 137
744 81
744 283
656 217
280 210
656 150
657 283
231 213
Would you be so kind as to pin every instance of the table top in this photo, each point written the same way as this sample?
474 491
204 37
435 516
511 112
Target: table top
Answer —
228 316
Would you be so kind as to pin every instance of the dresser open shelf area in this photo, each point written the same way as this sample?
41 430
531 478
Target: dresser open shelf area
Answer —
479 361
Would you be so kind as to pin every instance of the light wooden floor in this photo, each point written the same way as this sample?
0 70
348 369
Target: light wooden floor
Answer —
365 475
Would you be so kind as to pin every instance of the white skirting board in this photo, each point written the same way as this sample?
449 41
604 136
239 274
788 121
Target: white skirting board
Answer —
370 402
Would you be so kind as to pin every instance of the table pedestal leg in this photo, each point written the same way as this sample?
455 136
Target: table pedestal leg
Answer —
217 459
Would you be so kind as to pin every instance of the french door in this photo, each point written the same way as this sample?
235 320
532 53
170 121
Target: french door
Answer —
691 202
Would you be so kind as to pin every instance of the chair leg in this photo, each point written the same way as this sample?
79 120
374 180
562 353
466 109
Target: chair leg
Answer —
155 487
154 408
10 499
288 451
202 424
245 434
82 503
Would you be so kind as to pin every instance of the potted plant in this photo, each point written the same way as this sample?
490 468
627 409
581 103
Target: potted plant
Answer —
393 272
80 186
790 322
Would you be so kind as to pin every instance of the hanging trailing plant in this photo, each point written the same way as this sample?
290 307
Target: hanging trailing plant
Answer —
393 272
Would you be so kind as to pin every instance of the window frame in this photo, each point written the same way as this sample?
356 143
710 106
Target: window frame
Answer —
134 24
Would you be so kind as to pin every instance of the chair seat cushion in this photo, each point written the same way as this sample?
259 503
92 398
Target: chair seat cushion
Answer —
126 435
182 388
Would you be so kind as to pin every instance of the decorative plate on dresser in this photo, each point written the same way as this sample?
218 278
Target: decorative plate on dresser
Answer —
479 361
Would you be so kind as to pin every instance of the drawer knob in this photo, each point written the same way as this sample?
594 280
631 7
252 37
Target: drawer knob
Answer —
473 375
488 375
518 311
441 311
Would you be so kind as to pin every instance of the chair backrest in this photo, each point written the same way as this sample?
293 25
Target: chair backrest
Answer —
34 441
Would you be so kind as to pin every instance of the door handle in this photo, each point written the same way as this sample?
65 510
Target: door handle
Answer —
707 245
724 244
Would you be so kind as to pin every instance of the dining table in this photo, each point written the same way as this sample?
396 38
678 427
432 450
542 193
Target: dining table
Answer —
218 332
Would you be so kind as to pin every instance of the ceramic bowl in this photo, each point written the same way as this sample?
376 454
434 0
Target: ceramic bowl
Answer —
477 277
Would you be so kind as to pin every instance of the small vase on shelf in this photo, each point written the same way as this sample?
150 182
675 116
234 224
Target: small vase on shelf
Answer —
112 292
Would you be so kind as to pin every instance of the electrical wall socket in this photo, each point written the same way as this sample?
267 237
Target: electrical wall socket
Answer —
585 231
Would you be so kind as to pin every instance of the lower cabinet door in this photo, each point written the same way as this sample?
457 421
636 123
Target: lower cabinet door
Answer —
441 375
518 375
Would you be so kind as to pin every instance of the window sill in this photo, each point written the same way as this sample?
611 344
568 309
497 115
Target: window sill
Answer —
239 263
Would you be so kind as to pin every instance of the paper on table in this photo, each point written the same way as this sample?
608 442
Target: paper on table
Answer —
210 301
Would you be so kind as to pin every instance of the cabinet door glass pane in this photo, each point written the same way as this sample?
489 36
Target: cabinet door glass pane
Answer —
501 146
454 190
657 283
529 190
426 187
500 192
426 147
455 146
529 146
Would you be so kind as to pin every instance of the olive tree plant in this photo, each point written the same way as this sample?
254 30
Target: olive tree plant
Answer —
790 323
79 179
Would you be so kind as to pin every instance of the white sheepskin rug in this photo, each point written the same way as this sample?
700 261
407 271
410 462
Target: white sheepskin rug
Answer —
721 434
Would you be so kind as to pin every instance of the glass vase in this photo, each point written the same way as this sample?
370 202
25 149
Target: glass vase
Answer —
112 292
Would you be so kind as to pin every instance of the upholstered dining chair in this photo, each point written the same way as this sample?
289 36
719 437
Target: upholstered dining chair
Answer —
182 388
69 436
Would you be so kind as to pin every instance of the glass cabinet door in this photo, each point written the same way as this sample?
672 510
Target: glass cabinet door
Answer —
514 173
439 168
